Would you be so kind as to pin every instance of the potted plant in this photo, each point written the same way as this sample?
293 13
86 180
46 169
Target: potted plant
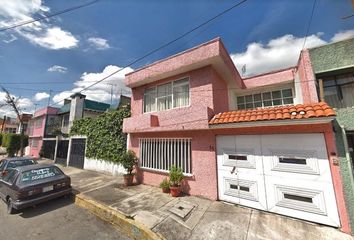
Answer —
165 185
176 177
128 161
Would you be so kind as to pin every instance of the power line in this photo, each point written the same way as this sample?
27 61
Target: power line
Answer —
163 46
32 89
309 24
46 17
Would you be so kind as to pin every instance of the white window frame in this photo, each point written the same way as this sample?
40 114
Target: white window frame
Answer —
38 122
262 100
34 143
166 153
155 109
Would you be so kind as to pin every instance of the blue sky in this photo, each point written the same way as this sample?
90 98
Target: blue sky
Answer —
72 50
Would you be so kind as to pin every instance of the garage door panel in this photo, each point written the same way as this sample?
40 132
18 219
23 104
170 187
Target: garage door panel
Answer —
296 142
301 195
300 201
291 160
240 173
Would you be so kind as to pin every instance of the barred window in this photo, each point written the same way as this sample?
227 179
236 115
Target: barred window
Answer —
162 153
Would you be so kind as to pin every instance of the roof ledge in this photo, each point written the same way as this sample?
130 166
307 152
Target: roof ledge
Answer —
211 53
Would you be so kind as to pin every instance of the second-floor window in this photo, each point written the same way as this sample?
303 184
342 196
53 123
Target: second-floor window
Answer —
65 120
339 90
166 96
266 99
38 122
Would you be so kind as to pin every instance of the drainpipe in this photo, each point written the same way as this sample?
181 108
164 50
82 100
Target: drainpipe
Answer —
320 83
347 156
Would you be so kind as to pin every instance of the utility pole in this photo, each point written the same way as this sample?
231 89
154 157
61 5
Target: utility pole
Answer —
111 84
50 96
35 106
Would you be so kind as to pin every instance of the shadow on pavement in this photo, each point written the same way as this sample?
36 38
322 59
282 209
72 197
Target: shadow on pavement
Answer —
45 207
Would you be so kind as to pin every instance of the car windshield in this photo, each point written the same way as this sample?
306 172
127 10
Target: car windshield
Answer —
19 163
41 173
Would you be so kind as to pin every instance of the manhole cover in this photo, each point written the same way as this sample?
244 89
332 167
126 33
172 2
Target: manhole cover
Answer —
181 209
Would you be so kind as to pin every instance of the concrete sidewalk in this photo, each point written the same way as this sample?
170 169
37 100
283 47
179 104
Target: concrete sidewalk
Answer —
190 217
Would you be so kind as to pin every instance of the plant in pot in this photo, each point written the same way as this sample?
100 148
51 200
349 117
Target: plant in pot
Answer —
165 185
176 177
128 161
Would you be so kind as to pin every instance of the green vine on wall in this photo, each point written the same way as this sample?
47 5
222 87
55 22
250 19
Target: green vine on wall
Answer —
105 139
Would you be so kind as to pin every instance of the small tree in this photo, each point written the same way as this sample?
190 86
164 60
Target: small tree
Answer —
12 143
128 161
14 104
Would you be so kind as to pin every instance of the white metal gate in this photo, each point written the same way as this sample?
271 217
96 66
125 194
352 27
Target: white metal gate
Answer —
287 174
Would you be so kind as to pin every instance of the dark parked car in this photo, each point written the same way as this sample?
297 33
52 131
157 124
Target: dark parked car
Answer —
29 185
15 162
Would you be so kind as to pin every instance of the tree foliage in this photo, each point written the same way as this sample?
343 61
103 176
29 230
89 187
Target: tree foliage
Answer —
12 143
105 139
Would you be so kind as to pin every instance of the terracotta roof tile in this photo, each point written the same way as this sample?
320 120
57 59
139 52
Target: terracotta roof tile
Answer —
299 111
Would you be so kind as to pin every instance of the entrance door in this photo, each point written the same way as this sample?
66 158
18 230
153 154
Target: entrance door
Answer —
77 153
48 149
287 174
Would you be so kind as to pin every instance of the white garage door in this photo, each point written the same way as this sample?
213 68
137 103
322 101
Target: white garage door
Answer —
287 174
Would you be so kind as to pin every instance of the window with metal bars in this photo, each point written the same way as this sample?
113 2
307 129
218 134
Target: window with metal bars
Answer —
161 153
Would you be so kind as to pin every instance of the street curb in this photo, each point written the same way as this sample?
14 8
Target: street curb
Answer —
132 228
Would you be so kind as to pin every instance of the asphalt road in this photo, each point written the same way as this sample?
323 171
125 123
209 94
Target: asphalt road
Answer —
57 219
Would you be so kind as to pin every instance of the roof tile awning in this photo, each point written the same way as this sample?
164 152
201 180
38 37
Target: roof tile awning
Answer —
299 111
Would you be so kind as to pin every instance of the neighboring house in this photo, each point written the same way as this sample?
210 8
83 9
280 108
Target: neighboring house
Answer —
40 127
8 125
53 127
25 117
333 66
263 142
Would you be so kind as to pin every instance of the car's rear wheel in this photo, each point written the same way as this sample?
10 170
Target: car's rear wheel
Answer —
10 208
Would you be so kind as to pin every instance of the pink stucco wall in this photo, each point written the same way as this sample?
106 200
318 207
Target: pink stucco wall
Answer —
271 78
34 152
46 111
205 53
38 132
208 95
204 179
41 114
307 78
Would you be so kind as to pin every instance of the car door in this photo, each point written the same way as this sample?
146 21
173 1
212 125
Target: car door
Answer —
6 183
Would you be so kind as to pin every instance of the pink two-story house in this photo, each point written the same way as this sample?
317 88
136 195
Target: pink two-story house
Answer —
264 142
40 129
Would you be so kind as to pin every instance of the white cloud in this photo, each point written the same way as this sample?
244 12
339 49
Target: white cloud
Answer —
41 96
102 91
276 54
279 52
57 68
342 35
10 39
25 105
98 43
39 33
52 38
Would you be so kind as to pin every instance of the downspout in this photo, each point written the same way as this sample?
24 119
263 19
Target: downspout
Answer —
347 156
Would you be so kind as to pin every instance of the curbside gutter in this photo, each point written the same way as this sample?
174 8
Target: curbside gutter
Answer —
132 228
